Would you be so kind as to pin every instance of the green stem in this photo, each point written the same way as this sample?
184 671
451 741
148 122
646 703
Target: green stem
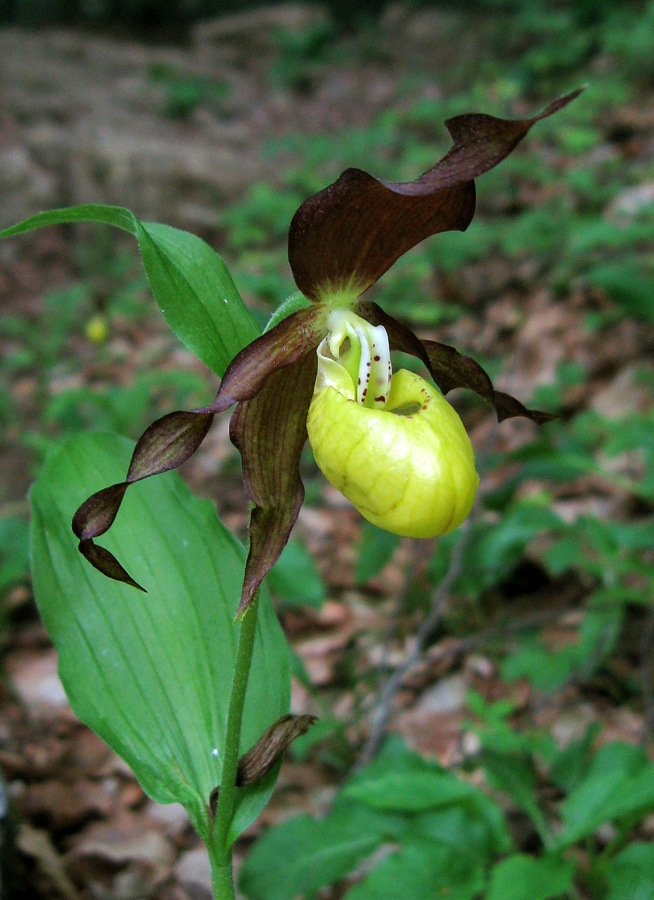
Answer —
221 856
222 879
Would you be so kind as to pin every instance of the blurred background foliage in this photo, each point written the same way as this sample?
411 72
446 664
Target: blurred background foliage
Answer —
586 17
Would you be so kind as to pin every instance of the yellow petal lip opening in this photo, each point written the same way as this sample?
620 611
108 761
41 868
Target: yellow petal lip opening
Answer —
408 468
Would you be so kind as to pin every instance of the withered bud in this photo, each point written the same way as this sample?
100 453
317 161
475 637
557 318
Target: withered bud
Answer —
272 745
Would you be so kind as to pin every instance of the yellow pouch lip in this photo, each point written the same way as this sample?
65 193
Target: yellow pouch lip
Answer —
411 474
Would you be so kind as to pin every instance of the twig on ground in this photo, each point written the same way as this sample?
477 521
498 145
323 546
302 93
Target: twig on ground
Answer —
419 562
394 682
501 629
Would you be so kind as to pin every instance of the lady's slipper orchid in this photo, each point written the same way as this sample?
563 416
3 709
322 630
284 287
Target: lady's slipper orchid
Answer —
415 475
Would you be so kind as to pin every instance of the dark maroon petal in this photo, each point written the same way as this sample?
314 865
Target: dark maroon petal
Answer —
166 444
174 438
345 237
284 345
508 407
449 368
97 513
481 142
269 432
106 562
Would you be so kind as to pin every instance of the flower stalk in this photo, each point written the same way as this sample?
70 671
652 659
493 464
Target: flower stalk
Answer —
221 842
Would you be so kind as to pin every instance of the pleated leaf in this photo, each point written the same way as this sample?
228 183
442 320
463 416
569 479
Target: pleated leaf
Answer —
151 673
190 282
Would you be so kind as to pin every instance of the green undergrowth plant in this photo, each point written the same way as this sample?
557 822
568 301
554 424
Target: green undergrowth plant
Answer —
407 821
168 643
606 559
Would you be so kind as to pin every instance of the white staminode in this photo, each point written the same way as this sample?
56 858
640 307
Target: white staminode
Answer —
366 357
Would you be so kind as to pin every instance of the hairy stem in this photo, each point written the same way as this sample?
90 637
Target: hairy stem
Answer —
221 853
222 879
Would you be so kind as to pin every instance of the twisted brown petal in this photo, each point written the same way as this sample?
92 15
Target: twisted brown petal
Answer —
345 237
508 407
173 439
449 368
482 141
101 559
269 432
166 444
284 345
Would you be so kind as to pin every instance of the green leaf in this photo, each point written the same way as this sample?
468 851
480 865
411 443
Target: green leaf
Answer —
375 550
631 874
515 775
563 554
600 628
548 669
410 791
295 579
544 669
151 673
619 785
474 828
522 877
190 282
304 854
500 548
285 309
399 780
569 764
425 871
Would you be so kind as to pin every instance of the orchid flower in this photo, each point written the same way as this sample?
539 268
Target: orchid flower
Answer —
391 443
